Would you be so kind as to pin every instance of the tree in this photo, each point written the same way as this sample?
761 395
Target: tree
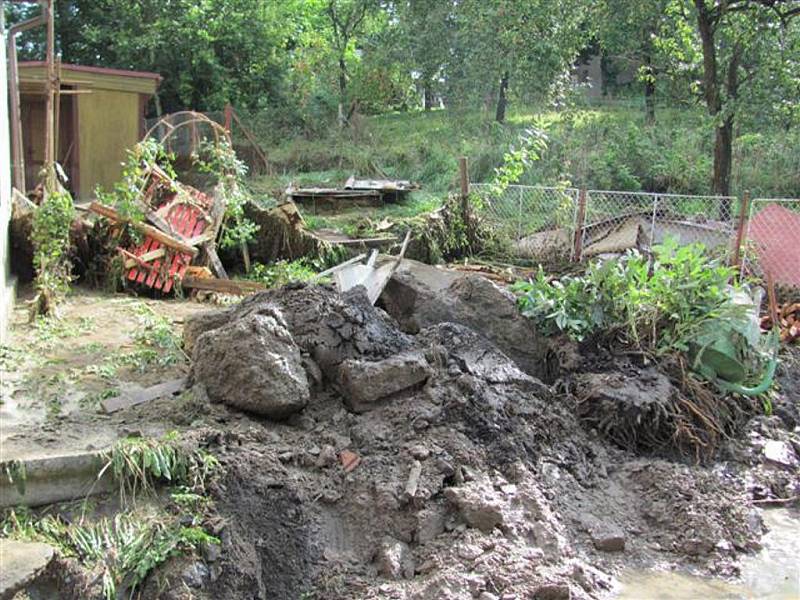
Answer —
736 39
630 29
347 19
503 47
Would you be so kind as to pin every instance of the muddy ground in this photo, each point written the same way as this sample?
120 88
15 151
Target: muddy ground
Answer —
422 462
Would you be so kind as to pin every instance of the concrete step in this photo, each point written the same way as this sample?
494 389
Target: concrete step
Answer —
20 564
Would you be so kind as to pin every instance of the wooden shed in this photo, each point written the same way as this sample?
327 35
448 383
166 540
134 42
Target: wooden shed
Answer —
101 115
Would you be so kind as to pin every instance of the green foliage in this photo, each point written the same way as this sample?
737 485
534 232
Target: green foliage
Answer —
126 195
137 464
660 304
532 145
282 272
220 160
126 548
51 243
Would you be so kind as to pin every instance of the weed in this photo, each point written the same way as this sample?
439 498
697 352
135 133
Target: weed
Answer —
282 272
50 240
16 474
137 464
94 399
50 329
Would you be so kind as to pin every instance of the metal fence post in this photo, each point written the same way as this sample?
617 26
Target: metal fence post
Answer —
579 222
744 207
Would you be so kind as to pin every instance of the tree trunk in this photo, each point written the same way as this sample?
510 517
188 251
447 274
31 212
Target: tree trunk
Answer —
342 91
723 153
500 114
427 94
649 93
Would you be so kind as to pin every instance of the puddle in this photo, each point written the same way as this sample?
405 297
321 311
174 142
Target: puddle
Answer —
772 574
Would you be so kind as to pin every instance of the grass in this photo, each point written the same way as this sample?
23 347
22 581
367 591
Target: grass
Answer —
601 147
125 548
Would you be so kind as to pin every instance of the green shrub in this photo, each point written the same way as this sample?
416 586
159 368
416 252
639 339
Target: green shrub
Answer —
659 304
50 239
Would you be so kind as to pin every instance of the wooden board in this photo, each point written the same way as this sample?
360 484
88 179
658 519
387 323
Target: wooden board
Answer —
168 388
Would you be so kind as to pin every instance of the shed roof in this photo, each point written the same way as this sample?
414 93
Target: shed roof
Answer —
32 75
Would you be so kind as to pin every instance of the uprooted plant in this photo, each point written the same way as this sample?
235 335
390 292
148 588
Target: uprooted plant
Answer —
664 308
125 548
50 236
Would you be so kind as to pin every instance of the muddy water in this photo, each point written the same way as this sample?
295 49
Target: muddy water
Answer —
772 574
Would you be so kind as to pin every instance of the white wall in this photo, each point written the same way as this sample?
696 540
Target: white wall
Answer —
6 282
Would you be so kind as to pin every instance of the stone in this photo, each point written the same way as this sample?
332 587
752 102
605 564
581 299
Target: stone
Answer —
326 457
395 560
363 383
608 538
195 575
430 523
22 563
419 452
552 591
780 453
469 551
252 364
478 505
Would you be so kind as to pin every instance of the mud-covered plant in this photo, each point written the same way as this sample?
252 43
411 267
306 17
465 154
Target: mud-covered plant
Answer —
50 239
282 272
156 341
138 464
126 548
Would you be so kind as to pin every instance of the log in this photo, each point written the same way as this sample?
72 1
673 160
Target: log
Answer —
168 388
179 244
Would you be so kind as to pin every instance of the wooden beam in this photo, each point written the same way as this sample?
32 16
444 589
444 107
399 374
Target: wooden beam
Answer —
179 244
224 286
168 388
143 258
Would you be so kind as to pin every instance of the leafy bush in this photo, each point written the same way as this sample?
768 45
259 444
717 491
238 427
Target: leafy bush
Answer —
659 303
50 239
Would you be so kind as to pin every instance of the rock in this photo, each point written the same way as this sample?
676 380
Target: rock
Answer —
420 296
252 364
365 382
487 596
478 505
552 591
195 575
608 538
326 457
22 563
395 560
780 453
430 523
419 452
469 551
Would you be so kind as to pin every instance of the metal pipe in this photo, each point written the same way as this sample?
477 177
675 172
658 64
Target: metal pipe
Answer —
13 84
50 108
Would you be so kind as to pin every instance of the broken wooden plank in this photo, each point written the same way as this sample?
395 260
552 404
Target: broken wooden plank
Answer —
156 234
168 388
144 258
224 286
339 267
213 259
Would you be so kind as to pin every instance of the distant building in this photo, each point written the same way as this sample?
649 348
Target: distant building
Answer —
99 119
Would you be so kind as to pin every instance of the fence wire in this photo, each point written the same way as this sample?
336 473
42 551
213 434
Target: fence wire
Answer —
772 240
536 222
540 222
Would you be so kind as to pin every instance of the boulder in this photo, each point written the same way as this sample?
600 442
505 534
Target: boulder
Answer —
252 364
420 295
365 382
607 537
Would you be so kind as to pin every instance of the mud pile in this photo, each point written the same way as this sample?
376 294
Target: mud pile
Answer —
422 465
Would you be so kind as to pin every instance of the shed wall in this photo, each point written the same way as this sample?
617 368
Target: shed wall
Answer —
108 125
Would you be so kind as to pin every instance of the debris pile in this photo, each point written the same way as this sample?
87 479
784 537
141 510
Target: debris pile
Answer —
424 464
788 315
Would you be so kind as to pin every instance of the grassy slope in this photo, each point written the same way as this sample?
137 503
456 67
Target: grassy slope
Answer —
601 148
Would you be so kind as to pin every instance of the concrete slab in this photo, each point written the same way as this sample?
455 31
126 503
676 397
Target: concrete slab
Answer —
20 564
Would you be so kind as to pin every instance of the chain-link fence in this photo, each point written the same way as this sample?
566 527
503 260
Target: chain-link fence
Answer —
772 240
540 223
